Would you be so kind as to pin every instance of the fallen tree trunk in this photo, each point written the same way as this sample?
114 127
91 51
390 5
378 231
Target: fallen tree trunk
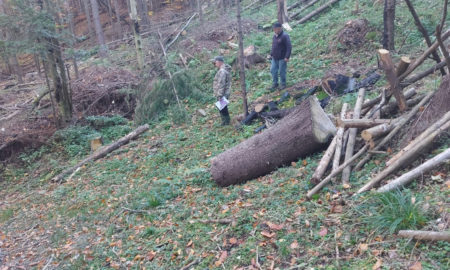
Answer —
340 139
362 123
438 124
316 12
425 235
323 164
416 172
296 14
404 159
102 152
394 132
352 135
336 172
304 131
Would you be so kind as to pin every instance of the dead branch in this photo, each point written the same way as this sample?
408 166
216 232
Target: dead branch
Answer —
425 235
323 164
102 152
311 3
438 35
362 123
181 31
423 74
339 142
416 172
188 266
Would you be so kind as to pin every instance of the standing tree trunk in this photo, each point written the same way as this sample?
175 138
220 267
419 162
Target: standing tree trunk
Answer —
137 35
282 11
144 12
241 59
87 13
304 131
103 51
200 10
37 64
16 68
117 24
389 27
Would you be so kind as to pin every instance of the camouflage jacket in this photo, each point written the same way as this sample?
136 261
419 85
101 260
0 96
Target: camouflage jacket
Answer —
222 82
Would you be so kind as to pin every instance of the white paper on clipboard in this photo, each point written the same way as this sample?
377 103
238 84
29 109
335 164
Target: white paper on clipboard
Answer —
222 103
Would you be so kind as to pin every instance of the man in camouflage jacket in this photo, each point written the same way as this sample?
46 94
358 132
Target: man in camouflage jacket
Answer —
222 86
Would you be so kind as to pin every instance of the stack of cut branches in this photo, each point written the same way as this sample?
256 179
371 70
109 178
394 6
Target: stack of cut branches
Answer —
379 121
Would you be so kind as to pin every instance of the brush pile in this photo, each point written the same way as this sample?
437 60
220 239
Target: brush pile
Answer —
373 125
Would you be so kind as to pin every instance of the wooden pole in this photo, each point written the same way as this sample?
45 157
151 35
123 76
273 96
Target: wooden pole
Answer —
394 132
425 235
394 89
352 135
402 66
404 159
416 172
323 164
362 123
336 172
339 142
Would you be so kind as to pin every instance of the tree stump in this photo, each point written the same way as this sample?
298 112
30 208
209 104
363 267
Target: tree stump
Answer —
304 131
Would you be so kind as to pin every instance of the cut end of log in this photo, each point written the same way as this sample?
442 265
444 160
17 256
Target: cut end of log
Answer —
323 127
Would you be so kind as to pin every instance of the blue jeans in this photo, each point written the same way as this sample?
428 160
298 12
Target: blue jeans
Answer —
278 65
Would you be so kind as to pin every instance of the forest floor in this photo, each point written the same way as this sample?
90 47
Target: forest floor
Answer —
153 205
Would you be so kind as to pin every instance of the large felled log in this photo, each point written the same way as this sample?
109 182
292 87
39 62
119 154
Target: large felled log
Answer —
388 68
425 235
399 125
438 124
352 135
416 172
302 132
405 158
102 152
316 12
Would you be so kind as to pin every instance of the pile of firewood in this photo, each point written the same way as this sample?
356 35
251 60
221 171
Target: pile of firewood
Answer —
373 120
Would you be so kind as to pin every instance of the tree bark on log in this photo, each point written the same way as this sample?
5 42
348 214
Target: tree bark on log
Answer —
416 172
340 138
425 235
405 158
424 32
102 152
420 138
304 131
323 164
394 132
336 172
394 89
423 57
316 12
352 135
362 123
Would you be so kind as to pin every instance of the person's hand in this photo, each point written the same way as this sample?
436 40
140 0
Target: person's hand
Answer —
286 60
269 57
219 98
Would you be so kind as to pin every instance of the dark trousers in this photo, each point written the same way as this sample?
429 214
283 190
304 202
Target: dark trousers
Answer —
225 116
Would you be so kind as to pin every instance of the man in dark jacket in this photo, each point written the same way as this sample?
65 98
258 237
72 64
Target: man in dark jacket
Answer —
280 53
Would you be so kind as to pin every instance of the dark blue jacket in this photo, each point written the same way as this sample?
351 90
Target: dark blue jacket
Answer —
281 46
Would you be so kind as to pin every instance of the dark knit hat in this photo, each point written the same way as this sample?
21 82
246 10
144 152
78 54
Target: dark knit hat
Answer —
276 25
218 58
